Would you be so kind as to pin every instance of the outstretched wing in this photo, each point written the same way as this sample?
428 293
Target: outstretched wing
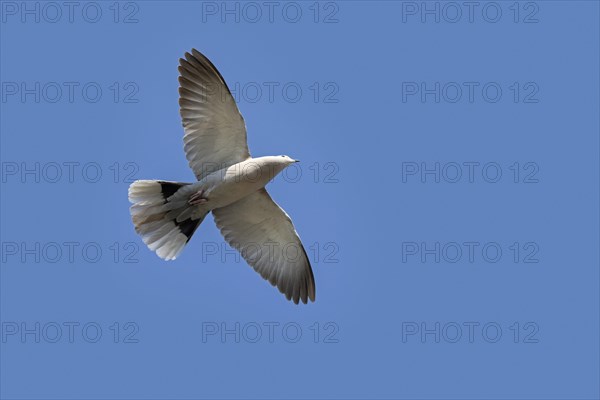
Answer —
215 132
265 236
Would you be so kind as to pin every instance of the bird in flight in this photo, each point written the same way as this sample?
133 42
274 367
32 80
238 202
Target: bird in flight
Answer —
231 185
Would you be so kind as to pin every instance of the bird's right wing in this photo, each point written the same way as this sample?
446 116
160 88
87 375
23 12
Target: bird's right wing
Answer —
265 236
215 132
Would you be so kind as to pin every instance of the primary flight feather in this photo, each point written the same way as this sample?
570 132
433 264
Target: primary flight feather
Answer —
231 185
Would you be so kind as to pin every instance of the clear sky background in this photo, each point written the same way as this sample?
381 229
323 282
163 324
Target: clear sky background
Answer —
447 196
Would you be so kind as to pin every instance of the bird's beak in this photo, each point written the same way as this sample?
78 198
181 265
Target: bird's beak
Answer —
296 160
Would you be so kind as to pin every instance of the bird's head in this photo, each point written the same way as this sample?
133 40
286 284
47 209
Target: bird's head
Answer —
287 159
278 161
275 164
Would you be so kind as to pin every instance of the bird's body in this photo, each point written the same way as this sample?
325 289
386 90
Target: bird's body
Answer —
230 185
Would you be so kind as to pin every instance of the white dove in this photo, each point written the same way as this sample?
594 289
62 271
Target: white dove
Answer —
230 184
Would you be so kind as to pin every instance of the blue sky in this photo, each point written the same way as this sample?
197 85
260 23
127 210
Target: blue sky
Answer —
447 196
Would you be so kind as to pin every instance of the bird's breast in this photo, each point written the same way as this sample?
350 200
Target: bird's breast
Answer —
230 184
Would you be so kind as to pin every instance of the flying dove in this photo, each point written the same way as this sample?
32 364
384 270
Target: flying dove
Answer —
231 185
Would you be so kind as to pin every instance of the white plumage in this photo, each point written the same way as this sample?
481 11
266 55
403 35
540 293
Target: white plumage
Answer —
230 185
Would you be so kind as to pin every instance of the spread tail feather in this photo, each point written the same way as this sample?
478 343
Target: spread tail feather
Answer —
165 225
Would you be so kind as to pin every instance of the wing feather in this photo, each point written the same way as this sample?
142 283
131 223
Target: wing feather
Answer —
215 132
265 236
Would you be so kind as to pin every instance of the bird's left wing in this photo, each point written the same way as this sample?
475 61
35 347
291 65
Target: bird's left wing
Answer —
265 236
215 132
